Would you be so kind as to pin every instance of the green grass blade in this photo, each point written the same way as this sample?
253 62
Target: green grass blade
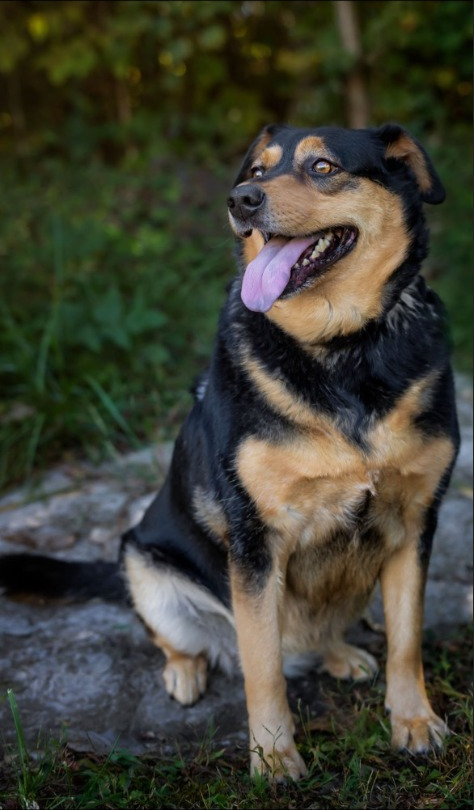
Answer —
50 330
33 443
112 410
22 749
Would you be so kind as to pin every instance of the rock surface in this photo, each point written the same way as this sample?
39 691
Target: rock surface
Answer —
88 673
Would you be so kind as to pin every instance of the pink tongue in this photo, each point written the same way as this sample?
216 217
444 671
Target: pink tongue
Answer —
267 275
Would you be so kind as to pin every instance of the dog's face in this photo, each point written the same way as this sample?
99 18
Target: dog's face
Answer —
325 217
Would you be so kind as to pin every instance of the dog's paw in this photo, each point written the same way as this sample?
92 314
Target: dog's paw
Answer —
278 764
185 678
344 661
420 734
273 752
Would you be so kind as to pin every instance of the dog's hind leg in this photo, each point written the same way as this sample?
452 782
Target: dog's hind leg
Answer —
185 676
189 624
344 661
322 638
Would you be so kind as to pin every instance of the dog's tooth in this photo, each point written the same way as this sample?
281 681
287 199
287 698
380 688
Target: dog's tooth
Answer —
321 245
305 262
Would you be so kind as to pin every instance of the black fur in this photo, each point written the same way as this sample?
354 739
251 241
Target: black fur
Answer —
47 578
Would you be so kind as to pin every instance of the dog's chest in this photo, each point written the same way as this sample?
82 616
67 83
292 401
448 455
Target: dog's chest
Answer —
309 487
316 480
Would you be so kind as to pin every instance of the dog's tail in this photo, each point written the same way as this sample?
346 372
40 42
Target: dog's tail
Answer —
23 575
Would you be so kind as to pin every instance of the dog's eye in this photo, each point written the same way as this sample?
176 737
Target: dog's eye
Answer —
257 171
323 167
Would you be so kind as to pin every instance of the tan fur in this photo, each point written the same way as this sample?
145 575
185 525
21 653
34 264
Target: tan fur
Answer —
351 292
412 718
257 619
262 142
345 661
311 146
275 392
270 157
404 148
322 451
210 515
308 487
185 676
252 246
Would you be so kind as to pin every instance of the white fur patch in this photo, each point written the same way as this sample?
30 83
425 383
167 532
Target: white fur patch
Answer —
183 613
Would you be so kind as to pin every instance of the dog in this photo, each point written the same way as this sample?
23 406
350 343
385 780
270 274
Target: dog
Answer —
320 444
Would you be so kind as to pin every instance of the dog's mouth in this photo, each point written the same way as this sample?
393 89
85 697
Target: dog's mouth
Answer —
284 266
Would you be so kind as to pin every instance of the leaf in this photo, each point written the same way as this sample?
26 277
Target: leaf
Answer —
141 318
109 309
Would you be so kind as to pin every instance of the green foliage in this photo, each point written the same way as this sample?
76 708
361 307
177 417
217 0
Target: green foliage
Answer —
201 76
109 312
449 266
121 126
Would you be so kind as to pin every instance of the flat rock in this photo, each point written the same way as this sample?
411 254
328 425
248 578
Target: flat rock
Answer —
88 673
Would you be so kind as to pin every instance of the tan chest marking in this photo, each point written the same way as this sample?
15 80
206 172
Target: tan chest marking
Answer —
316 480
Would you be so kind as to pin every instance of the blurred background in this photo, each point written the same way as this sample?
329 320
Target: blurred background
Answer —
121 128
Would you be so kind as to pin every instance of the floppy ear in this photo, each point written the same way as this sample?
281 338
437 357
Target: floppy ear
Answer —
402 146
260 142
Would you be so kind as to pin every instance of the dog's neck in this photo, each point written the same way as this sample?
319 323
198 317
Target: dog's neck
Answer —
383 352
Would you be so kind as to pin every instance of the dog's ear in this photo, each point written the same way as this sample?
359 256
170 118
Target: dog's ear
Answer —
260 142
402 146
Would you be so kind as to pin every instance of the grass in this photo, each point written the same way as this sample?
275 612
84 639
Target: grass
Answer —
350 762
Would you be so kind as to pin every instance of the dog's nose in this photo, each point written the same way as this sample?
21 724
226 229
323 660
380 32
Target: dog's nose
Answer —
245 201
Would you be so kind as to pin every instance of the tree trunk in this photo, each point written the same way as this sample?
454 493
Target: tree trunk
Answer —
358 105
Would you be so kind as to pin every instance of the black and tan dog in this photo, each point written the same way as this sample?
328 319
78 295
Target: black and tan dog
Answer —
320 443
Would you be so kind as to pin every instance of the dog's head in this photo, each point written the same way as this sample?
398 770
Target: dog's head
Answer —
326 217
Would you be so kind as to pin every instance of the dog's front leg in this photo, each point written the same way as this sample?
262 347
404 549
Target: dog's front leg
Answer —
272 747
415 726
